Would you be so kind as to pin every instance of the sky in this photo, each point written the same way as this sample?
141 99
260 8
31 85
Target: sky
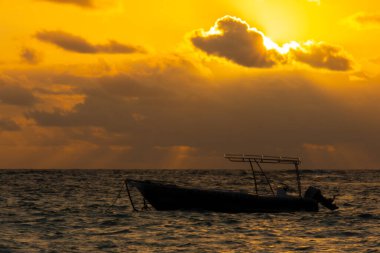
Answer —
176 84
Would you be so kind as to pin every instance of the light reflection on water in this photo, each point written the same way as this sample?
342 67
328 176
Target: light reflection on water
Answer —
64 211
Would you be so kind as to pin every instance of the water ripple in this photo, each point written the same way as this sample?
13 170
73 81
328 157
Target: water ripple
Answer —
69 211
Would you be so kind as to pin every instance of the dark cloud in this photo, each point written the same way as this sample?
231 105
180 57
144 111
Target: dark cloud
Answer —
8 125
14 94
81 3
30 56
99 110
175 113
322 55
107 99
366 19
235 40
78 44
157 112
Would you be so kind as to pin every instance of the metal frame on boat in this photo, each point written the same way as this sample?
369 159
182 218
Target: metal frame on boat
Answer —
258 159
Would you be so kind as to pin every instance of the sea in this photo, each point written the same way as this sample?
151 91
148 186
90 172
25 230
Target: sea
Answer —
89 211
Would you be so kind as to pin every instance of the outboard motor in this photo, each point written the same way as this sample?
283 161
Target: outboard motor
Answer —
316 194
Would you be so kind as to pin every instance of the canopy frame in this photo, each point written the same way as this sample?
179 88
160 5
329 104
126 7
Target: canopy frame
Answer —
260 159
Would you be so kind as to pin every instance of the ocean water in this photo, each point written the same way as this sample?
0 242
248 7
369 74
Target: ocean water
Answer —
82 211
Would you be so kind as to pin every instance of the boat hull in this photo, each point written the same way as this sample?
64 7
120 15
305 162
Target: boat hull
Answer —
165 197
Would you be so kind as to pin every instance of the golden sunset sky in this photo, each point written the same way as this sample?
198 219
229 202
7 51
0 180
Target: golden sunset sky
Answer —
176 84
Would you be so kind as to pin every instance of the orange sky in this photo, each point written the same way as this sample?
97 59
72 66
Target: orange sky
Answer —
176 84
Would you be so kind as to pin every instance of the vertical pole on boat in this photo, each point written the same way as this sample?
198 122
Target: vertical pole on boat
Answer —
254 176
266 178
129 195
298 180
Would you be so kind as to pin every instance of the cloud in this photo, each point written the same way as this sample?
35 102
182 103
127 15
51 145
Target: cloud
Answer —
98 110
113 97
233 39
155 110
13 94
78 44
8 125
363 20
30 56
167 112
323 55
81 3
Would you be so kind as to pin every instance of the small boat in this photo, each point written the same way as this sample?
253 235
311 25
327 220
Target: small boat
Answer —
168 197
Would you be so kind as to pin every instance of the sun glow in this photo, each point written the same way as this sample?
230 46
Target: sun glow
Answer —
271 45
213 31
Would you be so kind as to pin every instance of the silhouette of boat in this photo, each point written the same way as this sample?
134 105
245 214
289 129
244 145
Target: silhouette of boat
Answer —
168 197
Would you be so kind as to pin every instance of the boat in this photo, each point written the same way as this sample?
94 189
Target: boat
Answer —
169 197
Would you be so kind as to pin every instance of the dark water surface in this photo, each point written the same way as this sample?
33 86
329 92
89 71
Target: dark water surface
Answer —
70 211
